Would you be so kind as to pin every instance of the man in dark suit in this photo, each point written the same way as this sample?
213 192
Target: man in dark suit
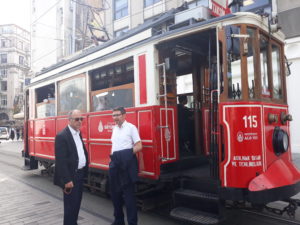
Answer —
71 164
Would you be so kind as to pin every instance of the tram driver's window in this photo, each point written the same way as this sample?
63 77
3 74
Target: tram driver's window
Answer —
264 43
251 62
234 63
72 95
276 68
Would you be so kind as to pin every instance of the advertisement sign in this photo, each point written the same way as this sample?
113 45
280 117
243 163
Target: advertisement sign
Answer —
219 7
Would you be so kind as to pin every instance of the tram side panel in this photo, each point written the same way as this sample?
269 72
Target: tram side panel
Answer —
44 133
159 137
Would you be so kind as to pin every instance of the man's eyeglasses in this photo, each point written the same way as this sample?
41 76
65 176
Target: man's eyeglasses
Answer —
115 115
78 118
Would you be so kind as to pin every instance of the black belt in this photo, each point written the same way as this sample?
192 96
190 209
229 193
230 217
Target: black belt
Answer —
79 170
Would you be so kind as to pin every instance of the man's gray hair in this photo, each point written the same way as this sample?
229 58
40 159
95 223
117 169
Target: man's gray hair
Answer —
71 113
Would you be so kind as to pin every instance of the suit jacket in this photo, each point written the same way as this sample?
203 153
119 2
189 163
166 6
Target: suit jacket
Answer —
123 165
66 158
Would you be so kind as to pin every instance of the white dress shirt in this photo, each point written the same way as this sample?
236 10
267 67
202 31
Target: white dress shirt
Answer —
79 147
124 137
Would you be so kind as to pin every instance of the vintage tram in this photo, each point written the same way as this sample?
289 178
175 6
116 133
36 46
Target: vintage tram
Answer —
232 142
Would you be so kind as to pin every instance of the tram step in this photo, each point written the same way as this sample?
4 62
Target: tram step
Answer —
203 185
192 216
207 202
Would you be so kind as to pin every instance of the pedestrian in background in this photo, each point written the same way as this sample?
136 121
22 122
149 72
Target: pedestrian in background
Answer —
71 165
18 133
12 134
123 168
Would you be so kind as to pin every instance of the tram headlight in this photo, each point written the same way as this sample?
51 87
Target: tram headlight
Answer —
280 141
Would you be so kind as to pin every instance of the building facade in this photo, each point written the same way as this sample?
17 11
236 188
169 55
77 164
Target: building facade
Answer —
289 15
61 28
14 68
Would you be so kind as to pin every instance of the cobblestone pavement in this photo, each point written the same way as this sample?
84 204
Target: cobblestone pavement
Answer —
20 204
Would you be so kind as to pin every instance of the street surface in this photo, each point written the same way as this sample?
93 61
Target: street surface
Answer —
28 197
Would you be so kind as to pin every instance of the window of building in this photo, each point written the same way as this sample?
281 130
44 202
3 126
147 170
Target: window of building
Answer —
4 100
3 85
3 73
20 45
21 60
198 3
3 58
121 8
21 86
6 30
150 2
5 43
121 32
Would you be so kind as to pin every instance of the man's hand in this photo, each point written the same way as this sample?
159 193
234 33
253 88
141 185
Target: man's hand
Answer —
68 187
137 147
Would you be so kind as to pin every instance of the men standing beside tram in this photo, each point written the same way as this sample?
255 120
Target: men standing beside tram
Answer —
71 165
123 168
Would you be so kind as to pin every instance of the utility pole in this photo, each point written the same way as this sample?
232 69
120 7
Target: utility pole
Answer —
74 27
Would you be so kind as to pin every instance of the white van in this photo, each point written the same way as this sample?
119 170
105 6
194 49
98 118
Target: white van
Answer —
4 133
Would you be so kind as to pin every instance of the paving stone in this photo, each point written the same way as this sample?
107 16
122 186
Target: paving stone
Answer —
22 205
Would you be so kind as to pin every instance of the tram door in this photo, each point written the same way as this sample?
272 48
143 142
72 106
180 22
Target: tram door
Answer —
190 70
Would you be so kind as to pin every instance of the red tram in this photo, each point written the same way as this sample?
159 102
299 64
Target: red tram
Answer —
232 145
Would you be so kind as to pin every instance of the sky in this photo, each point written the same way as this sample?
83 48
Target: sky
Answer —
15 12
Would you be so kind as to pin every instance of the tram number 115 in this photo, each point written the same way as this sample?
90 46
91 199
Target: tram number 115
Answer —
250 121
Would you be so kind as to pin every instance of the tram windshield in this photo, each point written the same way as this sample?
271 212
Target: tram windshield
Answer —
253 69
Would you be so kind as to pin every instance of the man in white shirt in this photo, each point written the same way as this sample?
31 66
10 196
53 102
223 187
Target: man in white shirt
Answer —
123 168
71 165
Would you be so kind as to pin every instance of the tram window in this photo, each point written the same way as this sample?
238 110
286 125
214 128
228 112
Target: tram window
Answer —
111 98
112 86
45 101
250 62
276 67
72 95
264 66
234 63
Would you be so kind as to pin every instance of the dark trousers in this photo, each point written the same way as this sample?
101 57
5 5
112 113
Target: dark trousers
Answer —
72 201
121 195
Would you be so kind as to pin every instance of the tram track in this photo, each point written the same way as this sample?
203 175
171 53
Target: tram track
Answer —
272 219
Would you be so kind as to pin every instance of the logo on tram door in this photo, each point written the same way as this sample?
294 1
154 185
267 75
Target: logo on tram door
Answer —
100 127
240 136
108 127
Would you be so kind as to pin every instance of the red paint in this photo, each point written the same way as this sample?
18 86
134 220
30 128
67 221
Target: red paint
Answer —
96 132
280 173
142 78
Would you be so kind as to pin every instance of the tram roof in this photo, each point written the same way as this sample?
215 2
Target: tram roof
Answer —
142 28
